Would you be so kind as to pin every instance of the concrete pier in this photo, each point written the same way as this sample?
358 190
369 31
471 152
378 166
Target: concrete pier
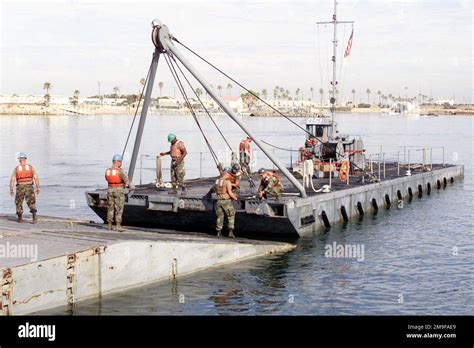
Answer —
62 261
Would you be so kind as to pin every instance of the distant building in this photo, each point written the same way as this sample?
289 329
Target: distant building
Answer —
444 101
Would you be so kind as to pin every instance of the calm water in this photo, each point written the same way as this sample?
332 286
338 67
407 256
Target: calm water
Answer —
409 266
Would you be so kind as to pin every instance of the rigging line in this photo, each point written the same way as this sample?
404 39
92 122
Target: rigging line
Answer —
241 86
188 103
277 147
136 110
202 104
342 59
256 96
252 184
344 70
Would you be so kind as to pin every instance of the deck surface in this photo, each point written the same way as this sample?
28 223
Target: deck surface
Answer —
197 188
57 236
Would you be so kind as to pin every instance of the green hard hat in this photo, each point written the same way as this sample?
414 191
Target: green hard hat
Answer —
171 137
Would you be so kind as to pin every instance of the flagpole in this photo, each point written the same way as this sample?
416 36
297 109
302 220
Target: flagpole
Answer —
335 22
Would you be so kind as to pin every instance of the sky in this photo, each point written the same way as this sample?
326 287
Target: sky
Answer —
426 46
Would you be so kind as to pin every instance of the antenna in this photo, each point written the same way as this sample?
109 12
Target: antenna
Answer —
335 22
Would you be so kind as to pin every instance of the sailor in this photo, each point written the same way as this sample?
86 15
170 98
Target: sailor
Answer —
25 176
234 175
244 152
269 184
118 181
178 153
224 207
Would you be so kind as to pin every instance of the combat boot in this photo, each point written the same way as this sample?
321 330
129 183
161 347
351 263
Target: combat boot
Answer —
20 218
119 227
173 191
231 234
109 226
219 234
184 191
35 218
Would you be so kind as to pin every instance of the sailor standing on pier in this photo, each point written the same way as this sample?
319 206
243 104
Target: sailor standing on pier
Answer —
178 153
117 180
24 175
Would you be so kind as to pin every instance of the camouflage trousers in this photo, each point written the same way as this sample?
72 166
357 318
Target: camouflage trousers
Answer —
177 174
25 192
115 204
244 163
274 191
224 208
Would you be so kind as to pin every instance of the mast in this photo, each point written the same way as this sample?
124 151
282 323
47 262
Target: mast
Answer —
334 22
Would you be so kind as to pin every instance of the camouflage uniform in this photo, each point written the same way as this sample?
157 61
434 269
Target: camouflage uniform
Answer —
244 162
116 201
25 191
177 174
272 187
224 207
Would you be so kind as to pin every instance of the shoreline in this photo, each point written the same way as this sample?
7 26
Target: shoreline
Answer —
60 110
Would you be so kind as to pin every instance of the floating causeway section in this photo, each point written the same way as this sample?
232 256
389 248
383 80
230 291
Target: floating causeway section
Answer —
291 215
78 260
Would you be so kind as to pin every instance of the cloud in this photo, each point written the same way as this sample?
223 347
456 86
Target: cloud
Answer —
421 44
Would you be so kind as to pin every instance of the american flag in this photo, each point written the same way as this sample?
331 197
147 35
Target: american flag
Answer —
349 45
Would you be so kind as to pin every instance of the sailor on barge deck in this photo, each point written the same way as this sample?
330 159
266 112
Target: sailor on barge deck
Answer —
177 152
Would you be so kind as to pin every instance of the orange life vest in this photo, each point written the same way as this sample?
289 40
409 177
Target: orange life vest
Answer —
344 169
24 174
231 178
245 146
113 177
311 142
268 175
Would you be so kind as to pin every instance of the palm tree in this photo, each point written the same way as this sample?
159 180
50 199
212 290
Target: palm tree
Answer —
116 92
229 88
379 93
368 95
160 85
219 88
321 92
297 93
287 93
47 97
75 98
275 92
264 93
353 96
312 92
